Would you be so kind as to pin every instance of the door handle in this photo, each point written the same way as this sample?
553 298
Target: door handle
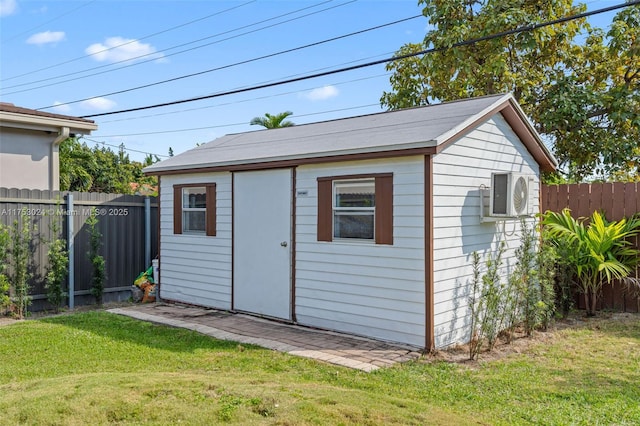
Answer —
283 244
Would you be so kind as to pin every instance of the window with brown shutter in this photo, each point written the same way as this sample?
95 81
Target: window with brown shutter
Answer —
356 207
194 209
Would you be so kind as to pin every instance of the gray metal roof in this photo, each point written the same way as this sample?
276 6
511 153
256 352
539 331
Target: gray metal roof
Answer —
420 127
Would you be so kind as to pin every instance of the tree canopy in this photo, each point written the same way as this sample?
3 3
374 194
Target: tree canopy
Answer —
275 121
99 169
579 85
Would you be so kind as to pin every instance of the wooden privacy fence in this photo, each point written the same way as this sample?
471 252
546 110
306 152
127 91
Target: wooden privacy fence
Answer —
617 200
128 224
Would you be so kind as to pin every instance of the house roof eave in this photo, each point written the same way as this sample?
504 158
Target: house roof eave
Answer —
421 148
33 122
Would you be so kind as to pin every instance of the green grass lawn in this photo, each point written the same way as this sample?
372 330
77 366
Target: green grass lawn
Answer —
99 368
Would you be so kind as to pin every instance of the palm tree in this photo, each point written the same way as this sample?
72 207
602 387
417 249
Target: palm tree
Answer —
273 121
598 253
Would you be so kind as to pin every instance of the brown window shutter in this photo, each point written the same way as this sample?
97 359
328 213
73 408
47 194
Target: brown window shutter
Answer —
211 210
177 209
384 210
325 210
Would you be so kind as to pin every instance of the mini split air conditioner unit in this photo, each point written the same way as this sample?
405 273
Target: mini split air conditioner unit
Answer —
510 196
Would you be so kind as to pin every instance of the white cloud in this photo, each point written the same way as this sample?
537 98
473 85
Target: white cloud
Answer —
46 37
98 104
61 109
116 49
8 7
322 93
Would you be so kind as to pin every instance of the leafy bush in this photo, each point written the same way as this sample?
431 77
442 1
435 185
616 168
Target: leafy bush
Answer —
525 299
532 282
98 276
5 301
58 267
486 303
476 307
546 261
597 253
20 254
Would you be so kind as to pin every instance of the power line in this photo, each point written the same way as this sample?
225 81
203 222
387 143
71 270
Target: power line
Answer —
174 47
252 99
518 30
112 48
122 146
271 55
193 129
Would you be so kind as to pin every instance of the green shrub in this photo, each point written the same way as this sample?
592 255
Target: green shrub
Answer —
525 299
486 302
21 254
476 307
98 276
597 253
58 266
5 301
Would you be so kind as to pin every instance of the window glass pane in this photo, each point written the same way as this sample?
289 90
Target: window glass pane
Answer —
193 221
353 225
355 194
194 198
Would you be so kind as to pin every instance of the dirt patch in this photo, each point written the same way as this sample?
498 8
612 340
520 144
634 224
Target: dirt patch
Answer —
520 343
7 321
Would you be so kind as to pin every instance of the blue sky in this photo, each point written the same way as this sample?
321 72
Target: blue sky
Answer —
50 49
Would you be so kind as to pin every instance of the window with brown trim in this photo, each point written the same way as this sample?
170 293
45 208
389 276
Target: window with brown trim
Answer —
194 209
356 207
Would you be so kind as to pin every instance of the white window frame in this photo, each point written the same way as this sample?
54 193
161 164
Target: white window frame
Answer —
186 209
353 211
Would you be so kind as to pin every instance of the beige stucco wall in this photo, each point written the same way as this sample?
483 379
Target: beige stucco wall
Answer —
25 159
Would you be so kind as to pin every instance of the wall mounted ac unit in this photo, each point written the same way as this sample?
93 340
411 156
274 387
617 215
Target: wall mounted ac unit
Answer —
510 195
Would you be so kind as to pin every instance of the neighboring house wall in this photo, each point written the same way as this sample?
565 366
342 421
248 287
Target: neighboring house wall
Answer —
29 145
25 159
360 287
196 268
459 171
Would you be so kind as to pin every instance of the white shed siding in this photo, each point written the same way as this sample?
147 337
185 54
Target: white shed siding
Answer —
196 269
458 173
357 287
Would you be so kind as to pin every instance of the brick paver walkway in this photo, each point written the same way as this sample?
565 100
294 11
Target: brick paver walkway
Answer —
335 348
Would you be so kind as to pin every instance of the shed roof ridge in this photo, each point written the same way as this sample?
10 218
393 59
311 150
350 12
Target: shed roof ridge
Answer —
373 114
407 131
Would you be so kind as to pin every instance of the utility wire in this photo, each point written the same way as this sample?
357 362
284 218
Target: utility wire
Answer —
112 48
382 61
271 55
122 146
174 47
252 99
193 129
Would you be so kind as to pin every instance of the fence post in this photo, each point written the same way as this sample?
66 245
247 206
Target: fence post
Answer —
70 248
147 232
